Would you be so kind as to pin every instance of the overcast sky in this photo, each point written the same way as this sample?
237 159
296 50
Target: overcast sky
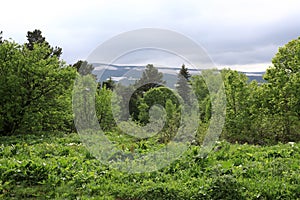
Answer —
238 34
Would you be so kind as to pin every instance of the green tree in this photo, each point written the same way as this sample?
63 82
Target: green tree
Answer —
183 84
125 93
151 78
143 112
165 98
237 112
202 94
105 103
262 128
35 89
172 121
283 81
155 96
209 90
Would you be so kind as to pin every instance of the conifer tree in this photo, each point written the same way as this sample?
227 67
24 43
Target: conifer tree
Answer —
183 84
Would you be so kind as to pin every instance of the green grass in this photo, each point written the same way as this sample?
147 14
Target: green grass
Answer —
58 166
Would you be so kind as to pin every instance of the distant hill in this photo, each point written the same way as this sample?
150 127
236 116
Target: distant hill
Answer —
128 74
258 76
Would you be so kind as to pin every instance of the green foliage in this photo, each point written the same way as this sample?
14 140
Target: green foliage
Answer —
183 85
166 99
35 89
106 105
263 114
209 91
58 166
160 96
202 94
151 78
84 100
126 100
143 112
237 112
172 122
283 81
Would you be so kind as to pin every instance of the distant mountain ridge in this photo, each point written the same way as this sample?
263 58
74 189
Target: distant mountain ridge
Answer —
127 74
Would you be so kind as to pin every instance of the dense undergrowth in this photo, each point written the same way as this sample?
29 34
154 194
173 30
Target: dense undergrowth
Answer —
58 166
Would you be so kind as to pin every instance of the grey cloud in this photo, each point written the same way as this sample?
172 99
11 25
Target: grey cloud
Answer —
228 41
249 44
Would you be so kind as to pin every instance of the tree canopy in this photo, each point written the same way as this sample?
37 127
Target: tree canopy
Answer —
34 87
183 84
151 78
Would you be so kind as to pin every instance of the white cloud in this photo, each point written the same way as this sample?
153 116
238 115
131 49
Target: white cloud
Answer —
114 78
106 68
257 67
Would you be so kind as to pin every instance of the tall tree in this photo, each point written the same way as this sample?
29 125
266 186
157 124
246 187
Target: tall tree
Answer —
40 87
156 96
36 37
283 79
165 98
237 112
104 108
151 78
202 94
183 84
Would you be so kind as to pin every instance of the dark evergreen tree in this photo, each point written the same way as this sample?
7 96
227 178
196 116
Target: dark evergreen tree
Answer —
1 37
83 67
36 37
183 84
109 84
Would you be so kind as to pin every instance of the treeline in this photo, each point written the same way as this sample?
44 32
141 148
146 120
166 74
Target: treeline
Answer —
36 95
